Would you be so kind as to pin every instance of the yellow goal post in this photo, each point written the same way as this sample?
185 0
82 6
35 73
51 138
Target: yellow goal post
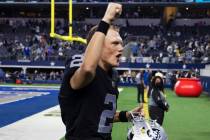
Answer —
69 37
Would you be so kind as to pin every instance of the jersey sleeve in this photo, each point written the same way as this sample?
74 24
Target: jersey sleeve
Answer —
73 64
70 67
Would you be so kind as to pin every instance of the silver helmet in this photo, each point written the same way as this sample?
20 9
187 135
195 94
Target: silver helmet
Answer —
145 130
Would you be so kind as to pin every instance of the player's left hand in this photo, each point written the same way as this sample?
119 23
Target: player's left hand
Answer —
139 109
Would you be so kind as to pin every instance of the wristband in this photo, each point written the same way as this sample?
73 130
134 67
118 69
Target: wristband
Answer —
122 116
103 27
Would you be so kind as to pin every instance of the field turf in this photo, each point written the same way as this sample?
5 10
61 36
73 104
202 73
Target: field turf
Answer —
187 119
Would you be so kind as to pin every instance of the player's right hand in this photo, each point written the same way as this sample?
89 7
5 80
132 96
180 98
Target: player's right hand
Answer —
113 11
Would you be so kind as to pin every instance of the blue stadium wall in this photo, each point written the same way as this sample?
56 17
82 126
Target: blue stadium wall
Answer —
122 65
205 80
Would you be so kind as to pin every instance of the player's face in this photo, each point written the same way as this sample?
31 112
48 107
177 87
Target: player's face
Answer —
113 48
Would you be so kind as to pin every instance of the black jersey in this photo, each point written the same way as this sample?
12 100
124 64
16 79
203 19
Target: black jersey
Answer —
88 112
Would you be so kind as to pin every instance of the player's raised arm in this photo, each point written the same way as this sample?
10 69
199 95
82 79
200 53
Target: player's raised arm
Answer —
86 72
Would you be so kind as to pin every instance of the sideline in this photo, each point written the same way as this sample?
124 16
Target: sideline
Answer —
31 86
44 125
145 105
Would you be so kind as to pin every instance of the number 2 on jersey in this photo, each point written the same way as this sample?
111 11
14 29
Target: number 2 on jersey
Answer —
103 128
76 61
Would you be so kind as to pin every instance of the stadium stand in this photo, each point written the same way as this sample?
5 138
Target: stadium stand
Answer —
181 43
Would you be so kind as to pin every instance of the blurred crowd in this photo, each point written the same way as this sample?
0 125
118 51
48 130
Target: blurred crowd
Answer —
158 49
35 75
124 76
29 40
170 77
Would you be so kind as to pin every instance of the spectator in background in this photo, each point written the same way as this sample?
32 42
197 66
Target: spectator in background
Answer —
150 77
188 74
146 78
44 47
140 87
157 102
2 75
26 52
60 53
173 79
208 51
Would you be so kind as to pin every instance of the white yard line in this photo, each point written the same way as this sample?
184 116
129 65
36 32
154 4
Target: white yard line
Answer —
21 95
36 127
30 86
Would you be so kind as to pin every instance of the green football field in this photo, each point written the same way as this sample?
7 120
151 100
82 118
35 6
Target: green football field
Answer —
187 119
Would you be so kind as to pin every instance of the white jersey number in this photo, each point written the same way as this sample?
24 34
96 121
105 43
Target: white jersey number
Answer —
76 61
103 128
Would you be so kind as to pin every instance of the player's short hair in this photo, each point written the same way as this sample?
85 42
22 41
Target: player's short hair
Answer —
91 33
94 29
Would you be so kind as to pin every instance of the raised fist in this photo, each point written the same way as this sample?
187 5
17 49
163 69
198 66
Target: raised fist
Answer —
113 11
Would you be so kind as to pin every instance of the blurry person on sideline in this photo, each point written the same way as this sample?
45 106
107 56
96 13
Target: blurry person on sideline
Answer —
140 87
158 104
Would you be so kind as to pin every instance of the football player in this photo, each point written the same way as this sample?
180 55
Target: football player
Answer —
88 94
